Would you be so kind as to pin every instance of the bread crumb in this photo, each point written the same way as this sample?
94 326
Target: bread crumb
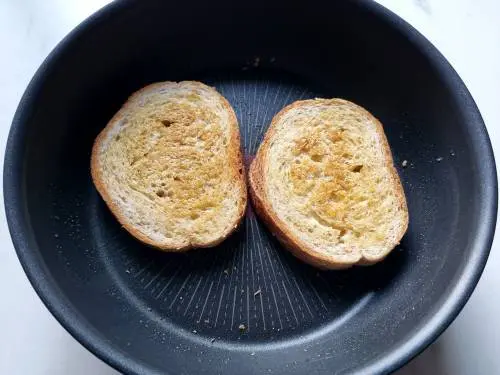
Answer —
452 153
195 331
242 327
257 292
252 353
404 164
226 271
438 159
212 340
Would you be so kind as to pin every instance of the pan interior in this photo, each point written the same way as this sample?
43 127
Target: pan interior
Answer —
248 295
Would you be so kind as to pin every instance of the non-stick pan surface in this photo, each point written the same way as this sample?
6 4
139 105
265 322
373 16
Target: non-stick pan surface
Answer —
247 306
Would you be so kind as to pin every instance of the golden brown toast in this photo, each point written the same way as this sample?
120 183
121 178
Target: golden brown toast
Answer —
169 166
323 180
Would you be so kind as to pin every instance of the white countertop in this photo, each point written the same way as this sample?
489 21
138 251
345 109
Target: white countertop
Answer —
467 32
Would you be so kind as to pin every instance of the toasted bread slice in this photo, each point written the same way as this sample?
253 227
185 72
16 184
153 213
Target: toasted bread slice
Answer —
323 181
169 166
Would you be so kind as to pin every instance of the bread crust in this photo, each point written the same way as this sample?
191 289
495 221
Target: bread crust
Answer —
280 229
235 163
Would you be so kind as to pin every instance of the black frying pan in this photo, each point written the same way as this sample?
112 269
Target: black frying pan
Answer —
148 312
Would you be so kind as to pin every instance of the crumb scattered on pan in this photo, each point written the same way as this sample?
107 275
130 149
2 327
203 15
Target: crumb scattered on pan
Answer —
252 353
195 331
452 153
242 327
207 321
404 164
257 292
127 271
226 271
439 158
212 340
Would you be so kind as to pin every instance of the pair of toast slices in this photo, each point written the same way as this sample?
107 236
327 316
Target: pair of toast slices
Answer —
170 168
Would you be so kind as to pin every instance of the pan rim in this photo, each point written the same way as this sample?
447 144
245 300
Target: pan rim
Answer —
69 317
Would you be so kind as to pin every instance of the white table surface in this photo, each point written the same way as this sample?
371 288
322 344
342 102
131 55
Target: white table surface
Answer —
467 32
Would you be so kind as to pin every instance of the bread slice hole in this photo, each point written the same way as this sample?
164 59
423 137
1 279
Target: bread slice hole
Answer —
160 193
317 158
357 168
342 233
167 123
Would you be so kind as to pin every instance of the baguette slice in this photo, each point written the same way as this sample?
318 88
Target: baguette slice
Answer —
169 166
323 181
